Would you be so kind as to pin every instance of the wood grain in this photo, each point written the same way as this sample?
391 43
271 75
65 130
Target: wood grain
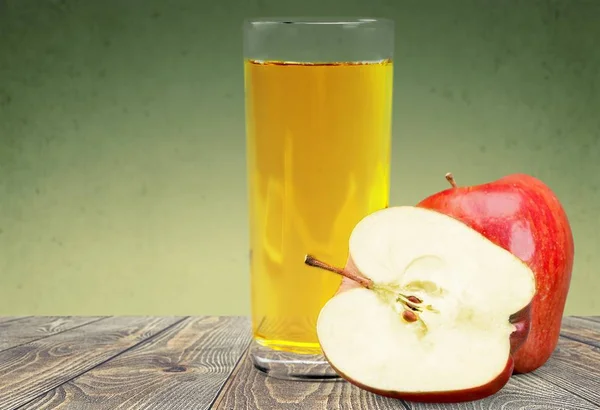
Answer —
575 367
181 363
248 388
527 391
24 330
182 368
6 319
582 330
32 369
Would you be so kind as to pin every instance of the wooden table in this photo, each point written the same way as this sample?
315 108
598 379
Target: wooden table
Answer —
201 362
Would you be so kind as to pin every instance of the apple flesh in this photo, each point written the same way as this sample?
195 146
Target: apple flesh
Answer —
426 313
522 215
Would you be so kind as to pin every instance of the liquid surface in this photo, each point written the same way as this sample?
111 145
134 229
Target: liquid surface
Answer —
318 161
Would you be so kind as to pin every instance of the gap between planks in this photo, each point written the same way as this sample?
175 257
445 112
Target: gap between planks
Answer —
230 378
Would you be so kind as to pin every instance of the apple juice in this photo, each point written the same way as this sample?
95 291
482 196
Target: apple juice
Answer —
318 158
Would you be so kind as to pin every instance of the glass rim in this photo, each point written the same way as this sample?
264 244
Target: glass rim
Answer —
325 21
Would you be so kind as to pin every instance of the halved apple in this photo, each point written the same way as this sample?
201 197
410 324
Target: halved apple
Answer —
438 315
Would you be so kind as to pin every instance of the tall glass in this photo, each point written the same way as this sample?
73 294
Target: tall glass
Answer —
318 129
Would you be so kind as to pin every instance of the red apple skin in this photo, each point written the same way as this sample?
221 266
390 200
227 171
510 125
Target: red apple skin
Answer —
521 214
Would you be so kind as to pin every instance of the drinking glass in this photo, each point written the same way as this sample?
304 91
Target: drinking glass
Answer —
318 97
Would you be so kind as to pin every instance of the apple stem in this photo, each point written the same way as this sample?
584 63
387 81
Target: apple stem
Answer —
450 179
312 261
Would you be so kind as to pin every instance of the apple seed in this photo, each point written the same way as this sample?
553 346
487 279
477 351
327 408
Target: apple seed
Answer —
409 316
410 301
414 299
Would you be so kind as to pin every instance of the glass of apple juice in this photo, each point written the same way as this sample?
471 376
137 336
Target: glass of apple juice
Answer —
318 100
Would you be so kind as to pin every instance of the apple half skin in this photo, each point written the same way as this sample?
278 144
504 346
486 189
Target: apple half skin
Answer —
522 322
454 396
521 214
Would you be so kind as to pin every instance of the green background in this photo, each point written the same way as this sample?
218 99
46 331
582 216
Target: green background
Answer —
122 157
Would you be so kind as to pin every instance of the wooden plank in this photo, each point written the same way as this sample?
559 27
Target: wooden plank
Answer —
248 388
6 319
17 332
32 369
523 391
582 330
574 366
592 318
182 368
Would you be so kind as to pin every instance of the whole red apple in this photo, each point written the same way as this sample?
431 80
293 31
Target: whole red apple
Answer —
521 214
